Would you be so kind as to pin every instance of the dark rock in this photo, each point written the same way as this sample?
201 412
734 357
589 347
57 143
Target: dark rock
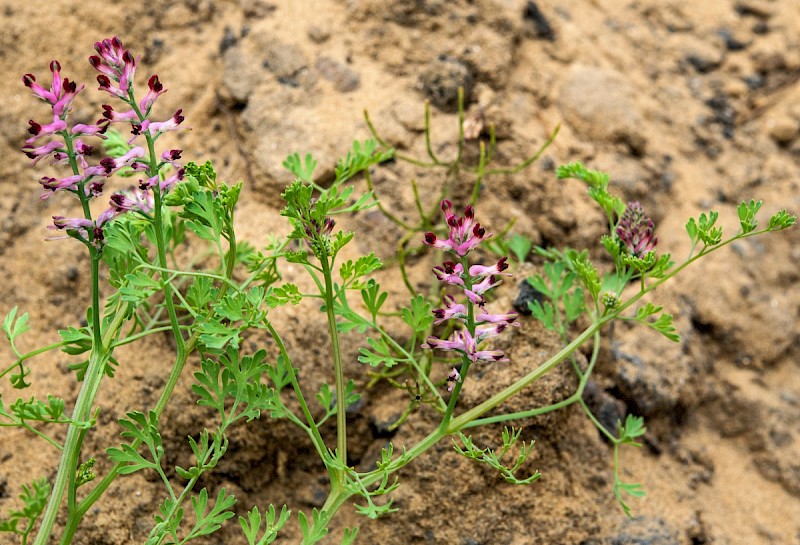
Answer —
609 410
527 294
228 40
723 113
541 26
732 42
442 79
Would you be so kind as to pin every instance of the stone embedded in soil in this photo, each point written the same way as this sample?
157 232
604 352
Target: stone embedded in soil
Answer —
441 80
527 294
343 78
645 531
599 105
537 25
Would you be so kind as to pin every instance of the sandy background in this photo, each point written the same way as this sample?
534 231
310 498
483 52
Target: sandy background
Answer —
688 105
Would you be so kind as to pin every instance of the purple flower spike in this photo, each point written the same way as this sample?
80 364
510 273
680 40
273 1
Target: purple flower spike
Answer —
452 377
451 310
636 230
465 233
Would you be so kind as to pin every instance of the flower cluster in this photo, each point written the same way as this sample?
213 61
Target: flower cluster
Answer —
636 230
117 67
473 281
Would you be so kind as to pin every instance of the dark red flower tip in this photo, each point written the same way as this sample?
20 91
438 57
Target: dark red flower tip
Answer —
469 212
108 164
449 267
154 84
70 86
430 238
95 61
55 66
445 204
175 154
127 56
35 128
478 231
502 264
108 111
178 117
136 129
28 79
438 313
103 80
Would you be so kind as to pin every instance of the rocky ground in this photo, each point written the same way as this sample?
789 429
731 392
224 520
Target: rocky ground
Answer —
690 106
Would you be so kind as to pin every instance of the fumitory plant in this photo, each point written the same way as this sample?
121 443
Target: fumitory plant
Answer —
208 303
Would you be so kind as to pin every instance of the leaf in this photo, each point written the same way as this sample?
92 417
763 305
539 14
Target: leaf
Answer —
418 316
273 524
208 523
13 326
138 427
781 220
373 298
520 245
281 295
379 355
663 324
302 169
747 215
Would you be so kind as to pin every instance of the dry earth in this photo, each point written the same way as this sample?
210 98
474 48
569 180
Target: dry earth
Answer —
689 106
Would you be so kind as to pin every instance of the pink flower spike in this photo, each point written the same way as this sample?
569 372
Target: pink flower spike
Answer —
167 184
490 355
485 332
97 130
451 310
113 116
37 154
74 224
38 130
450 273
170 124
475 298
452 377
480 271
156 90
51 185
483 317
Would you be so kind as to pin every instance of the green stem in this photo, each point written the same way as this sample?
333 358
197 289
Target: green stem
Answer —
338 374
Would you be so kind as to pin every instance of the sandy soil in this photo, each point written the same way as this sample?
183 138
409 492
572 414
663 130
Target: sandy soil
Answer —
688 105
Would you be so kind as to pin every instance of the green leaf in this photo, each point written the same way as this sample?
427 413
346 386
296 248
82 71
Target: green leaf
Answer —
361 267
138 287
201 292
781 220
313 532
138 427
211 521
418 316
359 158
520 245
663 324
273 524
34 498
13 327
373 298
633 428
282 295
747 215
302 169
703 230
380 354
